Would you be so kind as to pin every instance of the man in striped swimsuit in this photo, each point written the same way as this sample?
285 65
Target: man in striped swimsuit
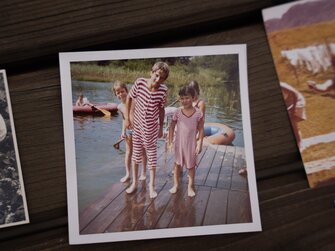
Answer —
150 95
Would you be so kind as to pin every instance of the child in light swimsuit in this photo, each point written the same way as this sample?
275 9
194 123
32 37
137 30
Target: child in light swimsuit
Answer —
121 91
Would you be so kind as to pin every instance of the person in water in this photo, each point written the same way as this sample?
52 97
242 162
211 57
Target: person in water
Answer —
82 101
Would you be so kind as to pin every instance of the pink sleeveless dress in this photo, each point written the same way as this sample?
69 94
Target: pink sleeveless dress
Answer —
185 141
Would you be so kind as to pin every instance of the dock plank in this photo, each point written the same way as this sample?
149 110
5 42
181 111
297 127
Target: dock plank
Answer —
225 176
111 212
134 211
165 165
155 210
204 165
190 211
213 175
239 210
96 207
216 211
173 206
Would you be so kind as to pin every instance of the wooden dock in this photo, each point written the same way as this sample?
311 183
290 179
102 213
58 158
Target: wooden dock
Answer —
222 197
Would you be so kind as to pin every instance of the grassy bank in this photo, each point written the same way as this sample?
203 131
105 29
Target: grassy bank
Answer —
179 74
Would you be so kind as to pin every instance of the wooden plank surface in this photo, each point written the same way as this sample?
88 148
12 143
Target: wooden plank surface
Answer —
37 28
117 211
293 216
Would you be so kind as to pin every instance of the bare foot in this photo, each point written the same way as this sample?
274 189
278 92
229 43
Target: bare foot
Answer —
143 177
125 178
190 192
152 193
173 190
132 188
242 171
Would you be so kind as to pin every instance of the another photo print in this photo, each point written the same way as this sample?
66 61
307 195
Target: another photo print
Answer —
158 143
302 41
13 205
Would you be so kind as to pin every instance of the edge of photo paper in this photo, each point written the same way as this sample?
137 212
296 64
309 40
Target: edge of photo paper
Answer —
17 156
72 196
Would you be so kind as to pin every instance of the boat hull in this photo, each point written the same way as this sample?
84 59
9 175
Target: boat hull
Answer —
88 110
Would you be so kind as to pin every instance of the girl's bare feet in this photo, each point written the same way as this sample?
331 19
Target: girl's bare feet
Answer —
132 188
125 178
143 176
190 192
174 189
152 192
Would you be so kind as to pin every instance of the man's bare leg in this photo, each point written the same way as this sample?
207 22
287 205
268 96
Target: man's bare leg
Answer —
144 166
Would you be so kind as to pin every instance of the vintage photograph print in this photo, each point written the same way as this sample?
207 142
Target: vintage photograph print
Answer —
302 41
158 143
13 205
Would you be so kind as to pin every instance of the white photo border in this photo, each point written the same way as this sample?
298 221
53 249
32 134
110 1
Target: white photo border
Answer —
17 156
67 58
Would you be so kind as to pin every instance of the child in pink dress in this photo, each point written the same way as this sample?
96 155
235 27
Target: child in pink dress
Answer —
188 121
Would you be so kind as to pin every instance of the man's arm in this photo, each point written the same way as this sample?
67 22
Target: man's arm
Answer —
161 121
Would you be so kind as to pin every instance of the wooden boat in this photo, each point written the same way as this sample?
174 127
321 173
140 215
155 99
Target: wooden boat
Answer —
95 109
218 134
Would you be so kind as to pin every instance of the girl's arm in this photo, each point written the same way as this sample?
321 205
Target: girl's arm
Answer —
202 107
201 135
127 121
171 133
123 132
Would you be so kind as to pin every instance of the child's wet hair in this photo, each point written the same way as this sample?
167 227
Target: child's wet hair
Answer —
195 85
187 90
161 66
119 84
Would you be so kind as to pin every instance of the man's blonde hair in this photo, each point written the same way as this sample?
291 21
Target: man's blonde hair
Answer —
161 66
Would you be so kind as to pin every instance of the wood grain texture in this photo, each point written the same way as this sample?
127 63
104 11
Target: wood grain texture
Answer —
32 29
293 216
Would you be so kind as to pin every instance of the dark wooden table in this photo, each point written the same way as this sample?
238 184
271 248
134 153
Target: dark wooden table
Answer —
31 35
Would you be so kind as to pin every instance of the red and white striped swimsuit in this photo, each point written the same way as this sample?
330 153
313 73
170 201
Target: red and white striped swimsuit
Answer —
146 120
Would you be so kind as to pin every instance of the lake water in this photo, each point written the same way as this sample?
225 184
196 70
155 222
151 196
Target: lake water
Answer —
99 165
